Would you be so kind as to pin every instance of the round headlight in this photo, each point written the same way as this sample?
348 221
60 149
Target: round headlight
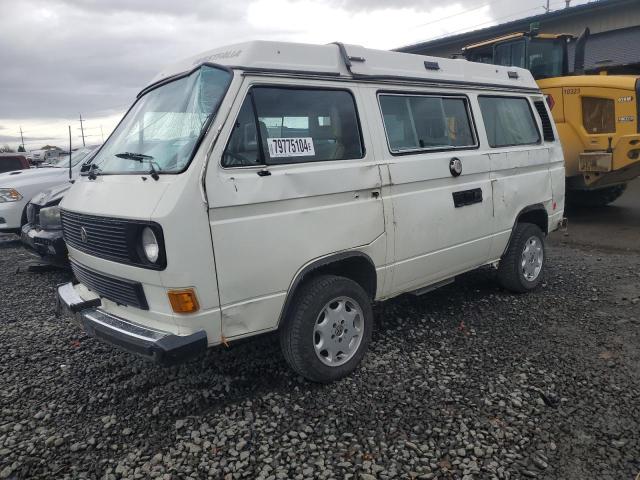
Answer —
150 245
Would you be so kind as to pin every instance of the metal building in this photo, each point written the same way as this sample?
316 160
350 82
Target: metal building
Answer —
614 44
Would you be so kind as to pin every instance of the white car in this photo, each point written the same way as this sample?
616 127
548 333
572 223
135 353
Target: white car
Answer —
17 188
275 186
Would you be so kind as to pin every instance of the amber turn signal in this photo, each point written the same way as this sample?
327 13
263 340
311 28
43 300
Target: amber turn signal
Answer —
183 301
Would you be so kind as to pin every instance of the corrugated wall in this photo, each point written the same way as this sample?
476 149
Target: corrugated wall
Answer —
599 20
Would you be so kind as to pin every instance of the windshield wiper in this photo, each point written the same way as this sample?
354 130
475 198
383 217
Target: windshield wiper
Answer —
140 157
134 156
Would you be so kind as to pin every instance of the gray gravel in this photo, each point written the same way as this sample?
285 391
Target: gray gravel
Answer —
466 382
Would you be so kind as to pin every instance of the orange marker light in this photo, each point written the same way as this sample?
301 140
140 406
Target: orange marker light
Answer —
183 301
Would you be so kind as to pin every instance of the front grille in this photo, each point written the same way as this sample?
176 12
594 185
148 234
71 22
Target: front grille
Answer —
118 290
99 236
113 239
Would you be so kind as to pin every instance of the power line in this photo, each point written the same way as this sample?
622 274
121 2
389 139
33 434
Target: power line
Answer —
453 15
495 20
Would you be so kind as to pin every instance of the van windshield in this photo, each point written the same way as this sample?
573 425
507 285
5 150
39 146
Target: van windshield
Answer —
163 127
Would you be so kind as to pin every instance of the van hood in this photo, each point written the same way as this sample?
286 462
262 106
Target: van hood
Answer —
116 196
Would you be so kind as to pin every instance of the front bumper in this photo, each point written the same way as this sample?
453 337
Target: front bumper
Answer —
49 244
161 347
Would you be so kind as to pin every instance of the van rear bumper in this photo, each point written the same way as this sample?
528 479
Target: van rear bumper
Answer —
158 346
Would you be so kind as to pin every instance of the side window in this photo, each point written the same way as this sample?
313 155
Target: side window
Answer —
294 125
242 149
508 121
414 122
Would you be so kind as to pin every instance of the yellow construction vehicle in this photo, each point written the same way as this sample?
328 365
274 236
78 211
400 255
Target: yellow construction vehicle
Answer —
596 114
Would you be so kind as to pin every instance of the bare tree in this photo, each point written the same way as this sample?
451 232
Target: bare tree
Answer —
6 149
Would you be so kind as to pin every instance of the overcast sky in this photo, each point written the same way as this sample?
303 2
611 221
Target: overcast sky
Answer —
60 58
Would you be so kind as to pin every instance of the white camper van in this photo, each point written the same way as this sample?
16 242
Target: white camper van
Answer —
277 186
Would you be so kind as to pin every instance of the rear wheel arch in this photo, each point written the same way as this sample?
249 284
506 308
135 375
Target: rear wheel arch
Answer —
354 265
535 214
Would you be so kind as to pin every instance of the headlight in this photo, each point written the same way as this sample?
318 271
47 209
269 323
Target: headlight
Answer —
150 245
50 218
9 195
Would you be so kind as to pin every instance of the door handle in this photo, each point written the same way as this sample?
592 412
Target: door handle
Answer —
375 194
467 197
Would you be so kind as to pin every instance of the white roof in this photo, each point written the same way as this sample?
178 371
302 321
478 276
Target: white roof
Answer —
365 63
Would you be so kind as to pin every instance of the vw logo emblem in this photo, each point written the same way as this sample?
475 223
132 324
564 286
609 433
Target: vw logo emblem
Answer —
83 235
455 167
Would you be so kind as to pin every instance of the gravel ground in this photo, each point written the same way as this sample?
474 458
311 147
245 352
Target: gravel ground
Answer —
466 382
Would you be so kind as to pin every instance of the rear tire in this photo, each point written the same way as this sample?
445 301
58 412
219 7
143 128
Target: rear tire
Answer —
595 198
522 265
328 329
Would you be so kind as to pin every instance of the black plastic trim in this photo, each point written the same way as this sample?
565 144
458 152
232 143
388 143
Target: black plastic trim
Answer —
168 350
132 232
464 198
118 288
530 208
547 128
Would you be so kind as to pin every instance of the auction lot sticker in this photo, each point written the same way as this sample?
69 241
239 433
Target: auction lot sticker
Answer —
291 147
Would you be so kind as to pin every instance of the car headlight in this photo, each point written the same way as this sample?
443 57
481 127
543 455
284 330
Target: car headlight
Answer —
50 218
150 245
9 195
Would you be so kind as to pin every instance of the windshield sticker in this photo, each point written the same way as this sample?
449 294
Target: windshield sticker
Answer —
291 147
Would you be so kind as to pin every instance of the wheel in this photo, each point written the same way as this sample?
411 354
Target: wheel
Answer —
521 266
595 198
328 328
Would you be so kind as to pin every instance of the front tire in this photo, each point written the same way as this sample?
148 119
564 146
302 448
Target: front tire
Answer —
522 265
328 329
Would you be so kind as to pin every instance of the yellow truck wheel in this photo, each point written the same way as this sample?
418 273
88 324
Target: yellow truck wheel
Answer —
595 198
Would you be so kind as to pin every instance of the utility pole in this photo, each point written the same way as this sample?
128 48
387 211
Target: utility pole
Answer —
101 133
21 137
82 130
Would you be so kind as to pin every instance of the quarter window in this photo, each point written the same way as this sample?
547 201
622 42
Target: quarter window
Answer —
508 121
415 122
286 125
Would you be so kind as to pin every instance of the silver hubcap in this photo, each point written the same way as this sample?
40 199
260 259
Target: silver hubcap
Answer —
532 258
338 331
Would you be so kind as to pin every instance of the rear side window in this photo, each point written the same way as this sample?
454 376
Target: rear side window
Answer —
508 121
293 125
417 122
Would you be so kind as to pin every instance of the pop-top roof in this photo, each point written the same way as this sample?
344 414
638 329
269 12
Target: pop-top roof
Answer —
353 62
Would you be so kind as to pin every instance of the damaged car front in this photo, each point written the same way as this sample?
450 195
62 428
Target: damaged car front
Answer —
42 234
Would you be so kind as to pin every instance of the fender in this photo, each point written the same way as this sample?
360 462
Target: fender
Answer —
531 210
326 264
